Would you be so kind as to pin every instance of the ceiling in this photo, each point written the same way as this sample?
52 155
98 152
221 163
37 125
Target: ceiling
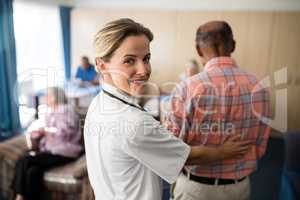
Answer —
195 4
182 4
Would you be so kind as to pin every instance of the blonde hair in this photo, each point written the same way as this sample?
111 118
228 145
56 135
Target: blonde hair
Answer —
109 38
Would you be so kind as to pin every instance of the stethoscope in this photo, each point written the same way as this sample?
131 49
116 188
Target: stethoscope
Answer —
123 101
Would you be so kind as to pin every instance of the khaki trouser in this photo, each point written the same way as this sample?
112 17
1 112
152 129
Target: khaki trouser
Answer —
186 189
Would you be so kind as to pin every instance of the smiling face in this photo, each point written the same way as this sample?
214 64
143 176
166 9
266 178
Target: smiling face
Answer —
129 67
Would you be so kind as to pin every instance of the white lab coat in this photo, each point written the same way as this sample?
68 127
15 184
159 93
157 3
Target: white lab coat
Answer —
127 150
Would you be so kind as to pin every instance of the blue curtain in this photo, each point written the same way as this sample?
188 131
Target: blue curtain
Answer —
65 18
9 115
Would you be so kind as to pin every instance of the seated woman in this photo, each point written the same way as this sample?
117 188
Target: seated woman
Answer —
56 141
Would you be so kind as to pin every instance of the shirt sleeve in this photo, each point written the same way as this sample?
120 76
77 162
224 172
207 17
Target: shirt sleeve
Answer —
78 74
66 139
264 108
156 148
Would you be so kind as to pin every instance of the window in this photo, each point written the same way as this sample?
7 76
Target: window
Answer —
39 52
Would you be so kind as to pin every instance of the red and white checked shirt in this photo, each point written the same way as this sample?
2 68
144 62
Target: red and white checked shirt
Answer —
220 101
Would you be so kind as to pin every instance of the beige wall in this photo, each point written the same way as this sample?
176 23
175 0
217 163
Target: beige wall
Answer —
266 42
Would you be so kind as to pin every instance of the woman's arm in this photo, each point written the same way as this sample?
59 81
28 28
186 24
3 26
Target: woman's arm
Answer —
230 149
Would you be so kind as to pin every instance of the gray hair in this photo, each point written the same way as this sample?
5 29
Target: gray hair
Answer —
213 34
59 95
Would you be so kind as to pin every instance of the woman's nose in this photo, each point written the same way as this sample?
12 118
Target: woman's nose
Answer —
143 68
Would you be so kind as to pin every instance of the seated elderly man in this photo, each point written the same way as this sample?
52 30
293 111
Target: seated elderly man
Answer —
86 73
55 139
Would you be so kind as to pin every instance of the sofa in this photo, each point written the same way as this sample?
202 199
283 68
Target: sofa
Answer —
67 182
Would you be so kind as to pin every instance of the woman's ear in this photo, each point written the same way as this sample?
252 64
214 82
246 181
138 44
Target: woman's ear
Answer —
100 65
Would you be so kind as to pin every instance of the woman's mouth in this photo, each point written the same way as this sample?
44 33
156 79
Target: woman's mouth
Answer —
138 81
138 85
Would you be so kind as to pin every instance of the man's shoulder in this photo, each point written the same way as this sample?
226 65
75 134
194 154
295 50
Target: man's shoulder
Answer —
79 69
252 78
199 78
197 81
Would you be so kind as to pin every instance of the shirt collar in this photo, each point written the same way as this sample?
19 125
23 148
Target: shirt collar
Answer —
224 62
120 94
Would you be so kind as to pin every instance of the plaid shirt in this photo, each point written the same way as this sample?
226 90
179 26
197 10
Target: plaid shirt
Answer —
222 100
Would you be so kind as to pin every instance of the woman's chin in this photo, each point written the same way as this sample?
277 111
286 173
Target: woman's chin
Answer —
137 89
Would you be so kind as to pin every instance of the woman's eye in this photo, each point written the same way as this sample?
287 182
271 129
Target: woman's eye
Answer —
147 60
129 61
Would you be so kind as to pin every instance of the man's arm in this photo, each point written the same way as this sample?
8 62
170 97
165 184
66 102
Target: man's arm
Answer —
77 75
265 129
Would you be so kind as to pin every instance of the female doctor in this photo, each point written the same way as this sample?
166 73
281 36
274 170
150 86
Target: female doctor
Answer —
128 152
